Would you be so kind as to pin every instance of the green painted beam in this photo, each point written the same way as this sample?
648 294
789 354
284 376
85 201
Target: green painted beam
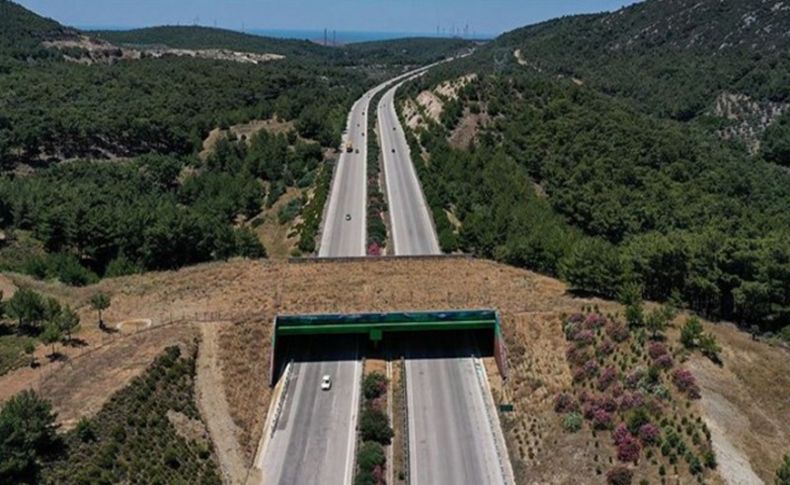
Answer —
369 328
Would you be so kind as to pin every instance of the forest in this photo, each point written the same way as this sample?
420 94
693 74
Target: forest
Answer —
606 196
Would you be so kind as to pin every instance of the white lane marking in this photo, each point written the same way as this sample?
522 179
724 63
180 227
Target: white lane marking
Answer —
352 425
413 478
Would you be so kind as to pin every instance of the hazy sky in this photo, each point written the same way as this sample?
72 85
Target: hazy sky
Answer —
483 16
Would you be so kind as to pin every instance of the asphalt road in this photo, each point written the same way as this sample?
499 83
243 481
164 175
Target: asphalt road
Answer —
411 223
451 439
344 231
315 436
454 436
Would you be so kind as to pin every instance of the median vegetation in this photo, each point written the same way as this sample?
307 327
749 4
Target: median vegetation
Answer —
377 204
374 431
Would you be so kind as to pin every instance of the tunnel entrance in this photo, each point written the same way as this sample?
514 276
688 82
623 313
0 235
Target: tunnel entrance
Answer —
345 336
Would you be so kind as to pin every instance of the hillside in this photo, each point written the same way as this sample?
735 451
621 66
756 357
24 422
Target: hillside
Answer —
22 32
194 37
743 403
603 190
726 64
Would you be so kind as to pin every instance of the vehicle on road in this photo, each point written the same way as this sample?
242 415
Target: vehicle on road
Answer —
326 383
348 217
357 150
393 150
350 147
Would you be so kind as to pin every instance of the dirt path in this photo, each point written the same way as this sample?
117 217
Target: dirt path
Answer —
215 409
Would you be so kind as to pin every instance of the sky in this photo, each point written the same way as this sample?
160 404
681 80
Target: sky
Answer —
418 16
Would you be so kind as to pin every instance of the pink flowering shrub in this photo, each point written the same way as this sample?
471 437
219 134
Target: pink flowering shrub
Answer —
605 348
617 331
607 377
633 378
631 400
629 449
620 433
374 249
565 403
685 382
602 419
590 368
616 390
593 321
664 361
656 350
649 433
584 337
576 318
577 355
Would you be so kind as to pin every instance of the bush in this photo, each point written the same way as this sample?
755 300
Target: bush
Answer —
371 455
685 382
649 433
572 422
602 419
629 449
374 426
27 435
619 476
783 473
374 385
607 377
565 403
691 332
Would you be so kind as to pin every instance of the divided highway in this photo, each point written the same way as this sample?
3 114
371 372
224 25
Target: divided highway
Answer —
454 434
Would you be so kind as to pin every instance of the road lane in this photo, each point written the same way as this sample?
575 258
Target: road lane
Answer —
410 218
314 440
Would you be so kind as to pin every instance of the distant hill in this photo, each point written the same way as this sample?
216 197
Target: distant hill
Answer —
680 59
22 32
194 37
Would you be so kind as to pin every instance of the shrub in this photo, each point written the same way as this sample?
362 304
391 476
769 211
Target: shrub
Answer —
656 350
629 449
649 433
783 473
685 382
593 321
605 348
607 377
584 337
619 475
618 332
86 431
577 355
709 347
636 418
602 419
633 378
620 433
371 455
374 385
631 400
374 426
664 361
572 422
690 333
565 403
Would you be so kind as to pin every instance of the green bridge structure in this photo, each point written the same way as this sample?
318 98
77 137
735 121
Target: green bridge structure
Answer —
377 325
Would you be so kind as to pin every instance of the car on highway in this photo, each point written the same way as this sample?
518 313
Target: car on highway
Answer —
348 217
393 150
326 383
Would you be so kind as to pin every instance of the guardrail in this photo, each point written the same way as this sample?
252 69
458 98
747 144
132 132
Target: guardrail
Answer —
281 401
493 422
359 413
356 259
405 418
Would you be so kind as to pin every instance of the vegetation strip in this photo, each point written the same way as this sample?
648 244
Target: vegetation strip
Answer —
377 204
374 431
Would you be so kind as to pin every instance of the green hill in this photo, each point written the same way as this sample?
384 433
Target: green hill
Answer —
618 170
22 32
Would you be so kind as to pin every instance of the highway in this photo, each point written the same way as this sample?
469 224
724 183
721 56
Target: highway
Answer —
411 224
315 436
345 221
454 433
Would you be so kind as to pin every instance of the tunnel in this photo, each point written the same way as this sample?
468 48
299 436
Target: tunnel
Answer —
434 333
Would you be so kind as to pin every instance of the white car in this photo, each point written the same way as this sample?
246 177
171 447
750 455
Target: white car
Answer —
326 383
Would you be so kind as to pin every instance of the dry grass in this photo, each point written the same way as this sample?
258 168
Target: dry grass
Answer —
279 239
754 379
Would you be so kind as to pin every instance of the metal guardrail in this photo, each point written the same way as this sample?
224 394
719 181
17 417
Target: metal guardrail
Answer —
492 423
405 417
358 439
281 401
